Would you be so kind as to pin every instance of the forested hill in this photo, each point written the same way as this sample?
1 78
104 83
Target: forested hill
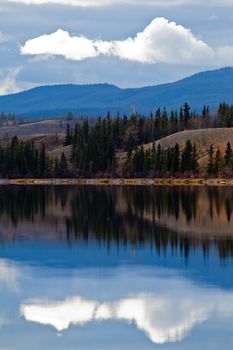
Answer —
212 87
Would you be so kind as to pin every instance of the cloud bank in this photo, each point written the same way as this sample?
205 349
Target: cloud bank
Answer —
94 3
160 42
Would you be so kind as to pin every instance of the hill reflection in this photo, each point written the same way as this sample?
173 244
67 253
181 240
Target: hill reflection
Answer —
182 219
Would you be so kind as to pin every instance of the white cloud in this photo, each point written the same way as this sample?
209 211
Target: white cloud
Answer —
162 318
163 41
61 315
146 312
8 84
160 41
60 43
86 3
8 76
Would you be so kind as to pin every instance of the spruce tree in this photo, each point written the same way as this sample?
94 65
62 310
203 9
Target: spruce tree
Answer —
153 158
187 157
42 161
176 159
56 168
181 120
210 166
158 163
63 166
68 138
228 155
164 122
194 158
187 115
218 162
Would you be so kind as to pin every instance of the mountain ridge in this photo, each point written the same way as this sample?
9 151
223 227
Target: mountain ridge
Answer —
209 87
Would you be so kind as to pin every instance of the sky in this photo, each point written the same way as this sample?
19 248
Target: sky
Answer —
129 43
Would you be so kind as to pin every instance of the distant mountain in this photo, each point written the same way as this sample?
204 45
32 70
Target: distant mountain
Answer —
210 88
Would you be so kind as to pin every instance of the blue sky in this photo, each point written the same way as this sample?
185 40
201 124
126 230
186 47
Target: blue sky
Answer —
123 42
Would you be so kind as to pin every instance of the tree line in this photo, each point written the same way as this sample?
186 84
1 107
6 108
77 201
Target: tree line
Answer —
93 148
173 162
158 162
7 119
22 159
129 132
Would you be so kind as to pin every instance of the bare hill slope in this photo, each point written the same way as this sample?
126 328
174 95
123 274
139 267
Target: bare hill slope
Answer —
43 127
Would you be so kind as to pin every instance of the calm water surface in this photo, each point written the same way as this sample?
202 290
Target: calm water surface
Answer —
104 268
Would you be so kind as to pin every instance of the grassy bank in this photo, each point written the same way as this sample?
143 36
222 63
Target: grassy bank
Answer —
120 182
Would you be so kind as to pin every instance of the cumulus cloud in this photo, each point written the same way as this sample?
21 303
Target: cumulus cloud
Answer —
162 319
160 41
146 312
60 43
86 3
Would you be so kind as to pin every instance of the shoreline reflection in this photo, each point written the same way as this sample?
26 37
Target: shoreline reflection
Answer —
182 219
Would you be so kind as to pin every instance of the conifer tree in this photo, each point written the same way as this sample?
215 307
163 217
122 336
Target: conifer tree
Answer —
194 158
187 116
56 168
68 138
187 157
42 161
63 166
218 162
176 159
228 155
153 157
210 166
164 122
181 120
158 163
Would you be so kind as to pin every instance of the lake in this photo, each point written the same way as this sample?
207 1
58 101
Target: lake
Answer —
104 268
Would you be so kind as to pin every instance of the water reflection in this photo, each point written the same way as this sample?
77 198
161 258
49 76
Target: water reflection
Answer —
180 218
154 315
169 311
108 268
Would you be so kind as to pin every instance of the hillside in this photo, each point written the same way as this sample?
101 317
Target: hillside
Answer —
203 138
208 88
43 127
54 141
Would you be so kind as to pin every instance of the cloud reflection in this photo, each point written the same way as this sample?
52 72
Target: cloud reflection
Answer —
9 274
162 318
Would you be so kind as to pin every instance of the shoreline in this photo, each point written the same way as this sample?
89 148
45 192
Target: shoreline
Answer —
120 182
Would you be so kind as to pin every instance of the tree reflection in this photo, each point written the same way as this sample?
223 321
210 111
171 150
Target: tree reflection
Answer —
178 219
